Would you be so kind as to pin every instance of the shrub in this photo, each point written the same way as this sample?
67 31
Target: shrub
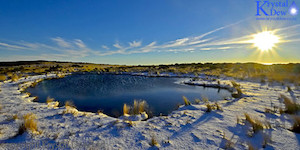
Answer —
290 106
2 77
186 101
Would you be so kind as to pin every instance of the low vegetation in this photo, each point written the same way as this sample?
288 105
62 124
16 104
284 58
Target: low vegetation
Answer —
137 108
186 101
2 77
49 100
153 141
238 93
296 125
30 123
256 124
291 107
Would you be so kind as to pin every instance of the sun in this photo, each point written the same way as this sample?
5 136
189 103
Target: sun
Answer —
265 40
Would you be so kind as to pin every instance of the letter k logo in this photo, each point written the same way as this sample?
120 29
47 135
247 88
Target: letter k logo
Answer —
261 8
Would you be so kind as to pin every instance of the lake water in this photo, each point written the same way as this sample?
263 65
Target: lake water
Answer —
106 92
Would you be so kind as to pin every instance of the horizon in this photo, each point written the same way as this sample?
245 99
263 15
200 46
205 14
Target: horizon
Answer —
146 33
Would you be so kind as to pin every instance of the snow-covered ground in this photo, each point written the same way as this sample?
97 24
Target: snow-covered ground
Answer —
189 127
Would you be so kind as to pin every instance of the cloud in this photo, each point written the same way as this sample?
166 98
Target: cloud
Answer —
80 43
77 48
135 43
61 42
105 47
11 46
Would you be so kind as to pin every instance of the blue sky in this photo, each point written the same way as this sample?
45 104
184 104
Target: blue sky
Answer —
141 32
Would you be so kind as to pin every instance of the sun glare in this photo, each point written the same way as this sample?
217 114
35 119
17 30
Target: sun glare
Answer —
265 40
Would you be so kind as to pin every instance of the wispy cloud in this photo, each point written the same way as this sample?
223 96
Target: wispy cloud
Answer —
61 42
77 48
135 43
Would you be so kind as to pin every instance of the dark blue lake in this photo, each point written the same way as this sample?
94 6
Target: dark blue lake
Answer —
106 92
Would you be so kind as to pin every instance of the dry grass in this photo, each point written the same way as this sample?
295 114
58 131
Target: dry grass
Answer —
49 100
153 141
15 117
209 107
256 124
218 107
139 107
125 109
30 122
14 77
2 77
186 101
296 125
291 107
70 104
197 101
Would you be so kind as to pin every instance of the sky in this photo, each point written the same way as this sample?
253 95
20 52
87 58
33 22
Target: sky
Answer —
137 32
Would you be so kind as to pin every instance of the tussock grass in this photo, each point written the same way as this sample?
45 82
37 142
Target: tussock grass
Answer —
197 101
2 77
186 101
49 100
14 77
256 124
238 90
125 109
209 107
69 104
137 108
296 125
30 122
153 141
15 117
291 107
234 84
218 107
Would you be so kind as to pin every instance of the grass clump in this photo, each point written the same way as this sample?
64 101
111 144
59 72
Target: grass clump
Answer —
186 101
137 108
70 104
239 92
197 101
2 77
126 109
153 141
14 77
256 124
218 107
291 107
49 100
209 107
30 122
296 125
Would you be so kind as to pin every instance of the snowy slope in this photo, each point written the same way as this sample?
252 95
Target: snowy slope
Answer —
189 127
